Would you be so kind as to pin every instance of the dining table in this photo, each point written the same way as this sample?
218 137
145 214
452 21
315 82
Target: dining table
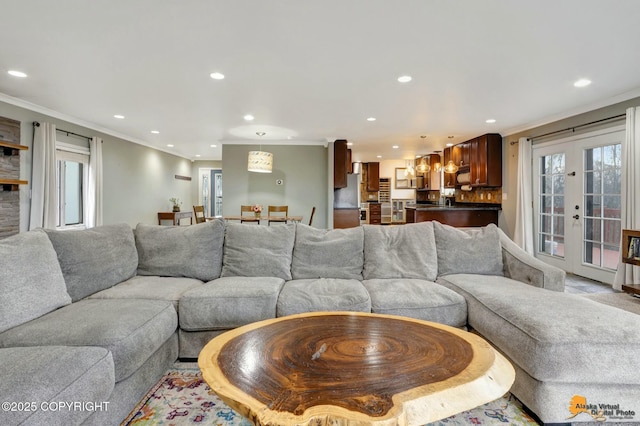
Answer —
267 218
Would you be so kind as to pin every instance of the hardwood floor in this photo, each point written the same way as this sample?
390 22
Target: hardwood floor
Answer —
580 285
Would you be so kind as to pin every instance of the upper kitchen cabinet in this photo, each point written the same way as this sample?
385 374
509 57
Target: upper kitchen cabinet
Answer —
485 158
340 163
373 176
427 175
464 155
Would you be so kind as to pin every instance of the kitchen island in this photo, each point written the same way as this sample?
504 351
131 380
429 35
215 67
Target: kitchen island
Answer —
458 215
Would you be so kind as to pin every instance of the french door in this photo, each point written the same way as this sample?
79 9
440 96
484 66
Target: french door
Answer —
577 203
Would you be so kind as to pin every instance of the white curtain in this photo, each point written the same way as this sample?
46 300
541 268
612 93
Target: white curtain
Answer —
630 274
523 235
93 214
43 177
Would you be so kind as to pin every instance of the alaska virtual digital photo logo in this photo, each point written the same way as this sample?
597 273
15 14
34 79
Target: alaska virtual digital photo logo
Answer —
599 412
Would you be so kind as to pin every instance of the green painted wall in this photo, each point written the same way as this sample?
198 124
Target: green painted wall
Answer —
303 170
138 181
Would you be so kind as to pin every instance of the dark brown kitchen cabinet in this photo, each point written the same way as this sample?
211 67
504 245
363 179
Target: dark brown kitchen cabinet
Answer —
464 158
449 178
375 213
340 163
373 177
346 218
486 160
349 163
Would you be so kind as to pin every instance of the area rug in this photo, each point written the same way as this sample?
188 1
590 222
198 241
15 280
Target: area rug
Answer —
182 397
619 300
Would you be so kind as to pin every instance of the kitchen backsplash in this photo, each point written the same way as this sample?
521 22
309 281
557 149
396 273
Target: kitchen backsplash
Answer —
480 195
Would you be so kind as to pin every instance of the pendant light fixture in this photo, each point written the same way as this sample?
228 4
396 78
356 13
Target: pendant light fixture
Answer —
450 167
260 161
408 170
424 166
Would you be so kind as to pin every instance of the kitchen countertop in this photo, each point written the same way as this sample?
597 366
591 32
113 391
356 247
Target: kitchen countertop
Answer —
421 207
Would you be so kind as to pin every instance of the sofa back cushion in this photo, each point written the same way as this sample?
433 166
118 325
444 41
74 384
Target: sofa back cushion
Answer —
321 253
95 259
31 282
258 251
407 251
468 251
181 251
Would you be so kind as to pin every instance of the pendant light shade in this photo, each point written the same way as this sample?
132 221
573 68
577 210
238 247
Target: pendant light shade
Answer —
260 162
450 167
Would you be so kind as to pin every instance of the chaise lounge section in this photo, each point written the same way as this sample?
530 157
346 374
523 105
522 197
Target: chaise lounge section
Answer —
130 302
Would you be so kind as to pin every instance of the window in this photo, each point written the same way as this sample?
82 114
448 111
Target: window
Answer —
72 175
551 214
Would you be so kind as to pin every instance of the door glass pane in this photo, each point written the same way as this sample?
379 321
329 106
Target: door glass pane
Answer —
552 205
558 163
611 206
545 223
72 193
601 210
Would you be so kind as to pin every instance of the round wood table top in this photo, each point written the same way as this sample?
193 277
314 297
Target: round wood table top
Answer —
332 367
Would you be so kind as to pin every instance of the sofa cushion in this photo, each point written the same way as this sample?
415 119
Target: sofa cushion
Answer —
418 299
154 288
258 251
96 258
31 282
229 302
132 330
321 253
323 294
407 251
181 251
469 251
51 374
553 336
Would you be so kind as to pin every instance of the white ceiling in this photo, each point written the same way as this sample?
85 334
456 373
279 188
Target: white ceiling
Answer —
314 70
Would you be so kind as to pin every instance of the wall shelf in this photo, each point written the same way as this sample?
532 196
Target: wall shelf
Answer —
631 241
9 147
12 184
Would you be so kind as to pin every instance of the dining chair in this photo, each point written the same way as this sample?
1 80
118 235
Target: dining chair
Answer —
249 218
278 209
198 212
313 211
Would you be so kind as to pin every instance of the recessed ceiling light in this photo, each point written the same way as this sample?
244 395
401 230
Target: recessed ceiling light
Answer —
371 119
119 117
378 156
17 73
395 147
155 132
170 145
349 143
197 155
404 79
217 75
490 121
449 144
214 146
583 82
418 156
249 117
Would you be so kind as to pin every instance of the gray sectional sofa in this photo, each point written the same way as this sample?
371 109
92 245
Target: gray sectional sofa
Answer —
94 317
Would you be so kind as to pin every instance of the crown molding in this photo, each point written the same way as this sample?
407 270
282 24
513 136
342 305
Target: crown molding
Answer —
21 103
573 112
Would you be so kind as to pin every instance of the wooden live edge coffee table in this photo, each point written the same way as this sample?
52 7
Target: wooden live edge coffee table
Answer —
327 368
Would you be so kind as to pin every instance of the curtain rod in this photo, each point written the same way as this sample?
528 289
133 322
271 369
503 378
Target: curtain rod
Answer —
36 124
573 129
